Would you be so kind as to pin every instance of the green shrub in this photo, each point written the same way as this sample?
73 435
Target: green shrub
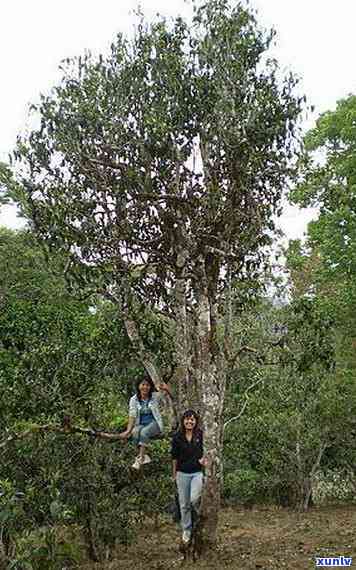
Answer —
242 486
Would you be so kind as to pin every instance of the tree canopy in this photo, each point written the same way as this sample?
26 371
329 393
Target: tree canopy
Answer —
174 146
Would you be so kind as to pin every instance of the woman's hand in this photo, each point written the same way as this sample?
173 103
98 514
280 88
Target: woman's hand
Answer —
204 461
163 387
124 435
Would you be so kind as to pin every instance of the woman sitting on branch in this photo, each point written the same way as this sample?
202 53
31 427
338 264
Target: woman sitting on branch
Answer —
145 420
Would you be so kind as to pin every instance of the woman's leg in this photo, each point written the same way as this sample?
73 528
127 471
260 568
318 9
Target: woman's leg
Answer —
196 488
184 493
135 436
147 433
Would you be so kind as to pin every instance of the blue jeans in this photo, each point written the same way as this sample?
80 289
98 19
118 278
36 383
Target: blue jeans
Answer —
141 435
189 487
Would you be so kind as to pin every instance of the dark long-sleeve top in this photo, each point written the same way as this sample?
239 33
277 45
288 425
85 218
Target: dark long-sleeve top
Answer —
187 453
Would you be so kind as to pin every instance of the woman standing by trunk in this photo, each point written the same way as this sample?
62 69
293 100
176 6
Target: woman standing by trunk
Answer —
188 461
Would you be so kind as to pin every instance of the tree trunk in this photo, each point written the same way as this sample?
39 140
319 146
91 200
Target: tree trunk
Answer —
3 557
308 481
187 395
212 386
213 451
199 375
307 494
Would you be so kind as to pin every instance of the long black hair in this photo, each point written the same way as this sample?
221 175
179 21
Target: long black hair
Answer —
189 414
149 381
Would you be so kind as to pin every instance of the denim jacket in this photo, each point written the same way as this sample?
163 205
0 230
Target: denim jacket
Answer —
153 404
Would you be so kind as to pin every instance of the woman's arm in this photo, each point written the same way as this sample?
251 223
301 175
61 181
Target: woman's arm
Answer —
130 425
123 435
109 436
132 418
163 387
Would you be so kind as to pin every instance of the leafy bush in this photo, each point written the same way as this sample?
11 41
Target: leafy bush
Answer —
242 486
47 548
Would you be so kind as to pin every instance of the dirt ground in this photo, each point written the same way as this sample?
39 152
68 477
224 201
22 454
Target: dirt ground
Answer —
258 539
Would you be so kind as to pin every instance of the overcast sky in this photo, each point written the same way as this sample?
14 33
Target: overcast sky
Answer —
315 38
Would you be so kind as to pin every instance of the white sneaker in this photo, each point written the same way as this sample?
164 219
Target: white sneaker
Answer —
137 463
146 460
186 536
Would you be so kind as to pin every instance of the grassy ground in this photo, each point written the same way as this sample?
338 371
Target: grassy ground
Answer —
258 539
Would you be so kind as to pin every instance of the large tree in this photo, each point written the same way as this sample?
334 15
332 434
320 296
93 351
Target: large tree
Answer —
157 170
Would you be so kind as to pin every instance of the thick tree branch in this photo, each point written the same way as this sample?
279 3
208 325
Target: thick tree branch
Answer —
64 428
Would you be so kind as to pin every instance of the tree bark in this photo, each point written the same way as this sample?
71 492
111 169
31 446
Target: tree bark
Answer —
212 384
145 356
182 378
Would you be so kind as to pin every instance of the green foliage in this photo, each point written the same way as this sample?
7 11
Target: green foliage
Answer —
326 264
293 402
53 349
329 183
9 189
69 480
45 549
243 486
11 510
328 180
310 335
60 356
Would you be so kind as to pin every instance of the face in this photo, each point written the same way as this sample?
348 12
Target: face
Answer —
144 388
189 422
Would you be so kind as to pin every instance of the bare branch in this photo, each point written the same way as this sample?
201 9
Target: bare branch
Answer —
244 404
